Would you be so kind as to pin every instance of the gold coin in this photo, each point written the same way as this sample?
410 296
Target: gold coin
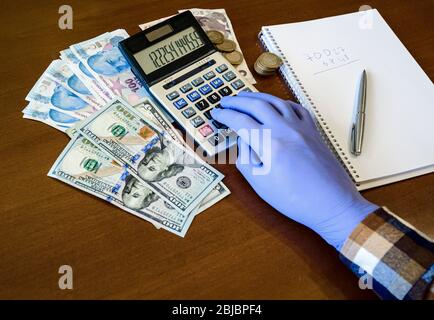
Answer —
226 46
263 71
215 36
270 60
234 57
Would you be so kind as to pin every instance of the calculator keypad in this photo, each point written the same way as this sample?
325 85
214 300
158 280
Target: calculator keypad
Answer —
195 98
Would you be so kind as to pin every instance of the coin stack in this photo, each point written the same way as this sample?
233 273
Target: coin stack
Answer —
226 46
267 64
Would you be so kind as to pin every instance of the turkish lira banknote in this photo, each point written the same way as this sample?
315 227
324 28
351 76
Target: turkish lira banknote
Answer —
102 57
169 169
53 94
84 74
54 118
61 72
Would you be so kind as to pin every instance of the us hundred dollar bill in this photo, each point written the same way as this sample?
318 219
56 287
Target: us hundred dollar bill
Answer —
149 112
170 170
86 167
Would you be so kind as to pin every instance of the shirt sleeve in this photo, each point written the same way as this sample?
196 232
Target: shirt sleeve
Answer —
391 257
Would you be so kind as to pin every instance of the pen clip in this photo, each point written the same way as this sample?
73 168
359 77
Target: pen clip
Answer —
353 139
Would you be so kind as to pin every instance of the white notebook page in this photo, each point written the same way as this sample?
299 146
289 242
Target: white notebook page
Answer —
328 56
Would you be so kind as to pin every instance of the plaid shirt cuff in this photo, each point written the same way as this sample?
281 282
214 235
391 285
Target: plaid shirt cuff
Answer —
391 257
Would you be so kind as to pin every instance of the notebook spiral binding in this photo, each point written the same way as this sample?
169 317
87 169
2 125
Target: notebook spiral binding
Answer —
304 99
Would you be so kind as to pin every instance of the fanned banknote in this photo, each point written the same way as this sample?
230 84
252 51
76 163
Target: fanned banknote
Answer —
62 72
51 93
85 166
169 169
214 19
54 118
151 113
103 59
178 184
84 74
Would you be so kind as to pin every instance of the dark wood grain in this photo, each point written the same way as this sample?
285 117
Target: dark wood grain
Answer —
240 248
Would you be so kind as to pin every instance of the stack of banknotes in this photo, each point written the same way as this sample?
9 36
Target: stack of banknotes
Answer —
124 148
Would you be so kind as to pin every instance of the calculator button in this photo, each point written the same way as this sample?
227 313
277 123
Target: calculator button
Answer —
206 130
197 82
218 106
207 114
189 112
196 122
218 125
205 89
247 90
227 132
216 139
229 76
237 84
217 83
202 104
185 88
209 75
180 103
172 95
193 96
213 97
221 68
225 91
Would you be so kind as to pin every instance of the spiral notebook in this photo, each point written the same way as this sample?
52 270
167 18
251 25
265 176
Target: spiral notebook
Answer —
323 60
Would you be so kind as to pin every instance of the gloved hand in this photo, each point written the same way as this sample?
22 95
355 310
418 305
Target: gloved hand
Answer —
303 180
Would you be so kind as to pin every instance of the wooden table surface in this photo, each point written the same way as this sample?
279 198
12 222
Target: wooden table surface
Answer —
239 248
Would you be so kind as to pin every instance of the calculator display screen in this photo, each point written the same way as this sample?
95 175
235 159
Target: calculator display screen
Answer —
169 50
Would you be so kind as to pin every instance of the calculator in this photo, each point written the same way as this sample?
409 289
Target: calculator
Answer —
182 69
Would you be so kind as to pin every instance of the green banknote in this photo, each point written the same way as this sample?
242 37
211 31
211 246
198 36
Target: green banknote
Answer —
166 167
151 113
86 167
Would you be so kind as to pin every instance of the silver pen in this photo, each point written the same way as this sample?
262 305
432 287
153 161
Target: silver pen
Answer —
359 117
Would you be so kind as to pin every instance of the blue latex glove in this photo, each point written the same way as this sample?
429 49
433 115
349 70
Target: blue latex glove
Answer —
303 179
